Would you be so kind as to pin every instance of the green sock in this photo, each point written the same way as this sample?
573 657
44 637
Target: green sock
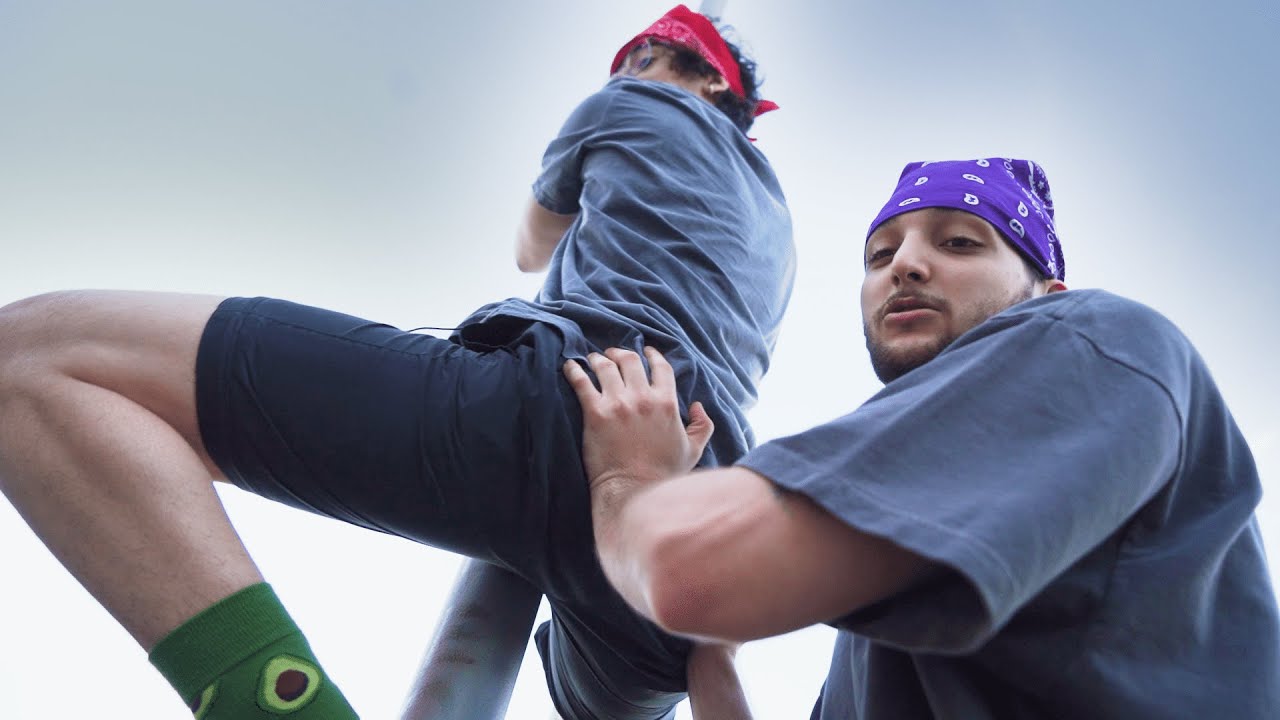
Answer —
244 658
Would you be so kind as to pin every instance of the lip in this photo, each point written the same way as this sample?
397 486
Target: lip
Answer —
907 312
907 316
908 306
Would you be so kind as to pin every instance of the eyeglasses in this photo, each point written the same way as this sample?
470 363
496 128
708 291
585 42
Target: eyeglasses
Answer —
640 58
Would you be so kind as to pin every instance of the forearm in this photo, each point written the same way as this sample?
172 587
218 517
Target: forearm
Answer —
538 235
715 692
624 552
667 547
626 527
723 554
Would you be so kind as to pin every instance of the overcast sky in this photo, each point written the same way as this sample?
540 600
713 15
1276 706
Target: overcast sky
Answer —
373 157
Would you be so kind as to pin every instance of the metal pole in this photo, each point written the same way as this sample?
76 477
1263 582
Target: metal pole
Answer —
713 9
470 669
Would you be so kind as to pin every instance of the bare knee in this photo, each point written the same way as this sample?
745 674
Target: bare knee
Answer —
29 333
138 345
45 305
80 332
21 314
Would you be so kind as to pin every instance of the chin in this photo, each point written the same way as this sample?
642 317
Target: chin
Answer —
892 361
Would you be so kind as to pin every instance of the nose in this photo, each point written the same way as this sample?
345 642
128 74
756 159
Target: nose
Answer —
910 261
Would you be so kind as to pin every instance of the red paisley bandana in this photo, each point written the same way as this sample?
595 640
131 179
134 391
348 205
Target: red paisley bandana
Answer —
682 26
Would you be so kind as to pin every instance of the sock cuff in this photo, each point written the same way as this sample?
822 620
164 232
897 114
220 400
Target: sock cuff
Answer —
220 637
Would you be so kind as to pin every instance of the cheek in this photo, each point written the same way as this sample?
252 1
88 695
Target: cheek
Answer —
867 296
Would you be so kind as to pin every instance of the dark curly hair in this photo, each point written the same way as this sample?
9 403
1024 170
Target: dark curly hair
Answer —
741 110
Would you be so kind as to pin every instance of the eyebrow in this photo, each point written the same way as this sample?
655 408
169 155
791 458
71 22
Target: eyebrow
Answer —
867 251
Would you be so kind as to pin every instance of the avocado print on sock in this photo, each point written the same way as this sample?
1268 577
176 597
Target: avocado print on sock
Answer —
287 684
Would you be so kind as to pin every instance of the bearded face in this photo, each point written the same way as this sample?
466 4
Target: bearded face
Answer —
931 275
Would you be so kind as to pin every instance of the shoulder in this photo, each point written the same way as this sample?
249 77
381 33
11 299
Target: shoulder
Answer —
594 107
1112 329
621 97
1094 309
665 109
628 90
1117 325
1113 323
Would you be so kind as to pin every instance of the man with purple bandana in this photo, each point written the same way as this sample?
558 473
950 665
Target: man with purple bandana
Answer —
1048 511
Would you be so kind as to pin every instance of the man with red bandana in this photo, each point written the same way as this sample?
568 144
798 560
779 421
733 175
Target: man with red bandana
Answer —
659 223
1048 511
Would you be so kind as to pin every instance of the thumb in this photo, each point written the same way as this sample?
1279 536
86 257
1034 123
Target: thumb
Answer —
699 428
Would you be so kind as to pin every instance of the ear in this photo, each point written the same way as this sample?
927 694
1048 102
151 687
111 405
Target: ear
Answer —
1053 286
712 86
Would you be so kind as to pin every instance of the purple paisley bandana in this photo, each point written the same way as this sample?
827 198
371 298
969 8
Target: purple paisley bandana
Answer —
1012 195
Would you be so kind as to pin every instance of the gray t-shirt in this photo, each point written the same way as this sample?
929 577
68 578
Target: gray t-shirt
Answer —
1073 466
682 241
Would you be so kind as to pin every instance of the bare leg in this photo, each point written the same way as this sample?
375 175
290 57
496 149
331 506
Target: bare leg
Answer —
101 453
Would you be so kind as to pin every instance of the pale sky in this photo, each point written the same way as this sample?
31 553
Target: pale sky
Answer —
373 158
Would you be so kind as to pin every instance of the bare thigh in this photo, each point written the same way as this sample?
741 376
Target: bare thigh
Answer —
140 345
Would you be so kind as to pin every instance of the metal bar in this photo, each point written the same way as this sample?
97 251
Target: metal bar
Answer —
470 668
713 9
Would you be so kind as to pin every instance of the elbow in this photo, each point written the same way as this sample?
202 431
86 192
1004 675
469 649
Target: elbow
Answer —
529 265
684 597
527 260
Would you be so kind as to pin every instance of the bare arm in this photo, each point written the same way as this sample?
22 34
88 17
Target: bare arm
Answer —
714 690
723 554
719 553
539 233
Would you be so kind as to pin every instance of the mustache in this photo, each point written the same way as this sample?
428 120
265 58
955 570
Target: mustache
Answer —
910 299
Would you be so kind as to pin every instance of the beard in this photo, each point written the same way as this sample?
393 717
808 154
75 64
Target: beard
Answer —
891 363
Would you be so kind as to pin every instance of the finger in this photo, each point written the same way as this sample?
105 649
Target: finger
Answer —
581 383
630 366
699 429
607 374
661 376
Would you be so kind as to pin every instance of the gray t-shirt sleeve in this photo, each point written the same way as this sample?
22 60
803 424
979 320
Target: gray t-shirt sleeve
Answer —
1005 459
559 185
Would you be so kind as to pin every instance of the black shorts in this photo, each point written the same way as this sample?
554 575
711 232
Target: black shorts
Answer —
471 446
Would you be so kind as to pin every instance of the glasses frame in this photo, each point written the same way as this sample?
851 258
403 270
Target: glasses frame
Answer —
631 66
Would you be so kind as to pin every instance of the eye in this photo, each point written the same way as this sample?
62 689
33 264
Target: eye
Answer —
639 59
960 242
878 257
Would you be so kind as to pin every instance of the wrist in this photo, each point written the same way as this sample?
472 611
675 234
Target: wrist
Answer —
612 492
623 538
609 496
625 480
